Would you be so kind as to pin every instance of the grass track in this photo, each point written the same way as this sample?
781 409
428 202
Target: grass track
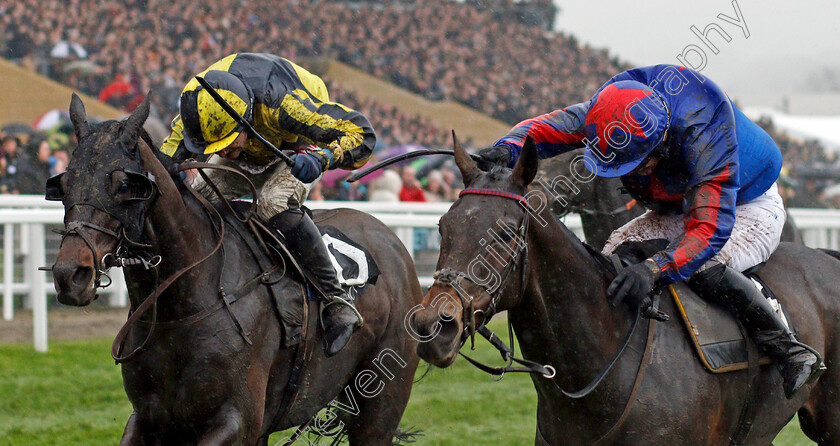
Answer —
73 395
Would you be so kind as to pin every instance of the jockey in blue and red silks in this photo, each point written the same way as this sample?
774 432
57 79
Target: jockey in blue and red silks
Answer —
706 173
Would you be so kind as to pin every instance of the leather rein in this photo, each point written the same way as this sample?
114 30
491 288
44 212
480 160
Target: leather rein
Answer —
120 257
150 302
453 278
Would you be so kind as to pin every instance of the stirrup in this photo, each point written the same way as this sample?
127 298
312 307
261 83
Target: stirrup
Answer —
338 300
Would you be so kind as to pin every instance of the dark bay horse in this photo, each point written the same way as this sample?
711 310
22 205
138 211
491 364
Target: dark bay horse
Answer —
209 373
498 254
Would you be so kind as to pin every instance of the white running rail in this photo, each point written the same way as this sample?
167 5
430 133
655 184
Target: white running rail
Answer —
28 215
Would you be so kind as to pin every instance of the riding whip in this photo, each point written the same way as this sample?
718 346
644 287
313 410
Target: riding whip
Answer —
402 157
242 121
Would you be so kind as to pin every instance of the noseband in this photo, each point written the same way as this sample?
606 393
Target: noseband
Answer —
447 276
450 277
125 245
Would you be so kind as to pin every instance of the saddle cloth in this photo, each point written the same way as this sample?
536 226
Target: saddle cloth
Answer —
352 262
717 336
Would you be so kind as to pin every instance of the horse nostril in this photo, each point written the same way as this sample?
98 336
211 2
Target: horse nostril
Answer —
82 276
422 329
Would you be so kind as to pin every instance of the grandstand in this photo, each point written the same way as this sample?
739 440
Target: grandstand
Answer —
414 67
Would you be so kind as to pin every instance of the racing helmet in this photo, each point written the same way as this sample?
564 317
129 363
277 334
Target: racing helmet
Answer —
208 128
625 122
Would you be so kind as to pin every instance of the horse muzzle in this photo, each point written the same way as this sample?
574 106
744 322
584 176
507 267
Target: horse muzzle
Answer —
438 333
74 283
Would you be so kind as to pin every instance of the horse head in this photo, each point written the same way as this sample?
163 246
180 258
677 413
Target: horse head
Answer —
106 196
482 256
563 183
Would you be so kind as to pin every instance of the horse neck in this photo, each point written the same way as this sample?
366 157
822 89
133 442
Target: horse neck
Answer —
603 200
180 232
564 318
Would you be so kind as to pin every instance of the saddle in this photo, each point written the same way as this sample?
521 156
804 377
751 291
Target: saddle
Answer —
721 343
353 263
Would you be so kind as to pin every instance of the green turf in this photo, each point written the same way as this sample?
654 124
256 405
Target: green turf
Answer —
73 395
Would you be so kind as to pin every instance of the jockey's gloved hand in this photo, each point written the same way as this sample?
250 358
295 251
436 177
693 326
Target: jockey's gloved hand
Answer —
489 156
307 168
633 284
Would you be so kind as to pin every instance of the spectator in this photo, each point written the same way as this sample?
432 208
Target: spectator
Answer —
809 196
317 192
7 184
411 190
421 45
436 55
9 148
436 190
351 191
33 167
451 183
387 187
118 93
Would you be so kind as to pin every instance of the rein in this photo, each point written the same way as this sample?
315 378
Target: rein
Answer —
150 302
451 277
448 276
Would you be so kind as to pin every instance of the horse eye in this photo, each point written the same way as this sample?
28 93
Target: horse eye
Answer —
505 235
123 188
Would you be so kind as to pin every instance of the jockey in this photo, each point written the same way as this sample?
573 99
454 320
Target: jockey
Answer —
706 173
291 108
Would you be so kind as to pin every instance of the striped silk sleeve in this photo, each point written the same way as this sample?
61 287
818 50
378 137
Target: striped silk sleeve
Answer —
711 156
173 141
345 136
557 132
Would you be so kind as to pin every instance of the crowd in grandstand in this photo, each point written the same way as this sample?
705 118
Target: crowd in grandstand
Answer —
507 71
468 52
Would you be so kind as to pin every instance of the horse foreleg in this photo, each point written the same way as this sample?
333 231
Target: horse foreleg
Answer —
380 415
135 435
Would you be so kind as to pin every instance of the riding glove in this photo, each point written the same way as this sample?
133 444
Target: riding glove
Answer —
490 156
307 168
633 284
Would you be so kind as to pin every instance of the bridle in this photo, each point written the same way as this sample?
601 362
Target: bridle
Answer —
121 255
453 278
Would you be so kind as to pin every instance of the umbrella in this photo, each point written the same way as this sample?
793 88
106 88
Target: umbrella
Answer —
331 177
18 128
53 119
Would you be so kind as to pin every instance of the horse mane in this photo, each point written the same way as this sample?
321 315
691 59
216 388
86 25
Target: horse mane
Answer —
497 171
585 250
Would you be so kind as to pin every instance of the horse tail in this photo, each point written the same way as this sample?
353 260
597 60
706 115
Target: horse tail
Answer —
402 437
831 252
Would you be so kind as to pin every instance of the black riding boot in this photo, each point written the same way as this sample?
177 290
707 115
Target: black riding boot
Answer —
304 241
734 291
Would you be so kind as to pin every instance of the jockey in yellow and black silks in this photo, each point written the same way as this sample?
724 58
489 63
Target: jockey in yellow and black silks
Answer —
291 108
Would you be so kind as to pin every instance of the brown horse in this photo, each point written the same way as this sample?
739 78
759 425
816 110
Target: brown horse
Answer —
498 254
215 368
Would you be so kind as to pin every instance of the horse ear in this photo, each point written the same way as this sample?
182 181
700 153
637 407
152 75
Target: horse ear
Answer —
527 164
465 164
79 117
131 131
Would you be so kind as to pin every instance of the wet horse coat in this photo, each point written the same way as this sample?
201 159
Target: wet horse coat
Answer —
200 379
561 316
